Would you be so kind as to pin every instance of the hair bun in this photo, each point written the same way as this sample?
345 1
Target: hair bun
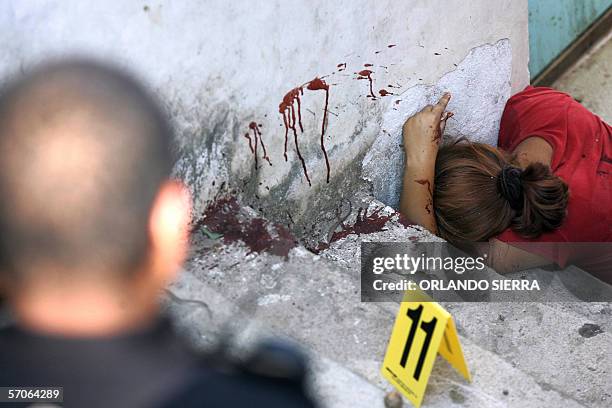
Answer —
510 187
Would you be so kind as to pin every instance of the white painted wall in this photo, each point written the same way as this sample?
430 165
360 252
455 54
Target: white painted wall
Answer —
220 64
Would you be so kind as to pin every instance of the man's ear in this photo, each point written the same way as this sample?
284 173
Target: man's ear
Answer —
169 231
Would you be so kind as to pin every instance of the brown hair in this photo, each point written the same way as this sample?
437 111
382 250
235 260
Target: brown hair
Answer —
479 191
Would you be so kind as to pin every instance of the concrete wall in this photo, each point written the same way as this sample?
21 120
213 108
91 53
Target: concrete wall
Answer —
220 65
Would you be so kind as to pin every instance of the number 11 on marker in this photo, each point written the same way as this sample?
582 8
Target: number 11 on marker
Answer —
415 341
428 328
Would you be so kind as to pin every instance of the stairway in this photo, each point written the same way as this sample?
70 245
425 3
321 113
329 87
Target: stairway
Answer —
519 354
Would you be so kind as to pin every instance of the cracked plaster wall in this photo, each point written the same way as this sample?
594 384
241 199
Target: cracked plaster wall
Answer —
220 65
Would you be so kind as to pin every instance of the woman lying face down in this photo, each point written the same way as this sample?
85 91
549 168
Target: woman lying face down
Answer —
480 191
548 181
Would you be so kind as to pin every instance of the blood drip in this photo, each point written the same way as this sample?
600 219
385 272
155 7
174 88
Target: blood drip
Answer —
257 136
424 182
290 103
287 108
384 92
367 74
315 85
250 143
429 205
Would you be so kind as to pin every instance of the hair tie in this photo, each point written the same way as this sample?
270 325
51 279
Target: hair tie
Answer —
510 187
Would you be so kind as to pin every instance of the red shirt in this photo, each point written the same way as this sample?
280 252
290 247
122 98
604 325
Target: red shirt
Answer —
582 157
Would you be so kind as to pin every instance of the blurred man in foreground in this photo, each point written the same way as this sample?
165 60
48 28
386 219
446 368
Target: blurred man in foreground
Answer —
92 229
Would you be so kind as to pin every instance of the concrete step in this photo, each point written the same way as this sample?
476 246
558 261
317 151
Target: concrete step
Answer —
317 303
520 354
564 346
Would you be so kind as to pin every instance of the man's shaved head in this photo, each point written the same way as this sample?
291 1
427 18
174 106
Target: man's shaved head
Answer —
83 151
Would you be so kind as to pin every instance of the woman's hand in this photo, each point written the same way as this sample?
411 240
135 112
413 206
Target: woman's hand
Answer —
423 131
422 134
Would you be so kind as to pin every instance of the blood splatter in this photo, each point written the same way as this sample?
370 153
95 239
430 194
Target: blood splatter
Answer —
438 133
224 216
384 92
367 74
341 66
397 102
368 65
437 53
391 45
315 85
257 139
291 104
364 224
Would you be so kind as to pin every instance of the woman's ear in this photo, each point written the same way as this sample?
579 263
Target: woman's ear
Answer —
169 231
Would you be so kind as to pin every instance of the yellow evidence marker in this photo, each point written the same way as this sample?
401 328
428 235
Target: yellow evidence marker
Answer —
421 330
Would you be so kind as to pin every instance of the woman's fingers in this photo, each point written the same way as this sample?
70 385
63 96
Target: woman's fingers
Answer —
427 108
445 117
442 103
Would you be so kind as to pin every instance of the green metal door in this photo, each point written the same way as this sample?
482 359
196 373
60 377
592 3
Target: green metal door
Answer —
555 24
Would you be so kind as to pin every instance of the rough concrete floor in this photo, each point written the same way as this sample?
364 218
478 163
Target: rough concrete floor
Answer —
519 354
590 79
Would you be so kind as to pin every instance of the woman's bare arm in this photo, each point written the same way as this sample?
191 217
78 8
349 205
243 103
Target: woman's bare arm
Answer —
505 258
416 201
422 134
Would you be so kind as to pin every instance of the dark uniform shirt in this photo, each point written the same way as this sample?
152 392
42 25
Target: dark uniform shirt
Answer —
148 368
